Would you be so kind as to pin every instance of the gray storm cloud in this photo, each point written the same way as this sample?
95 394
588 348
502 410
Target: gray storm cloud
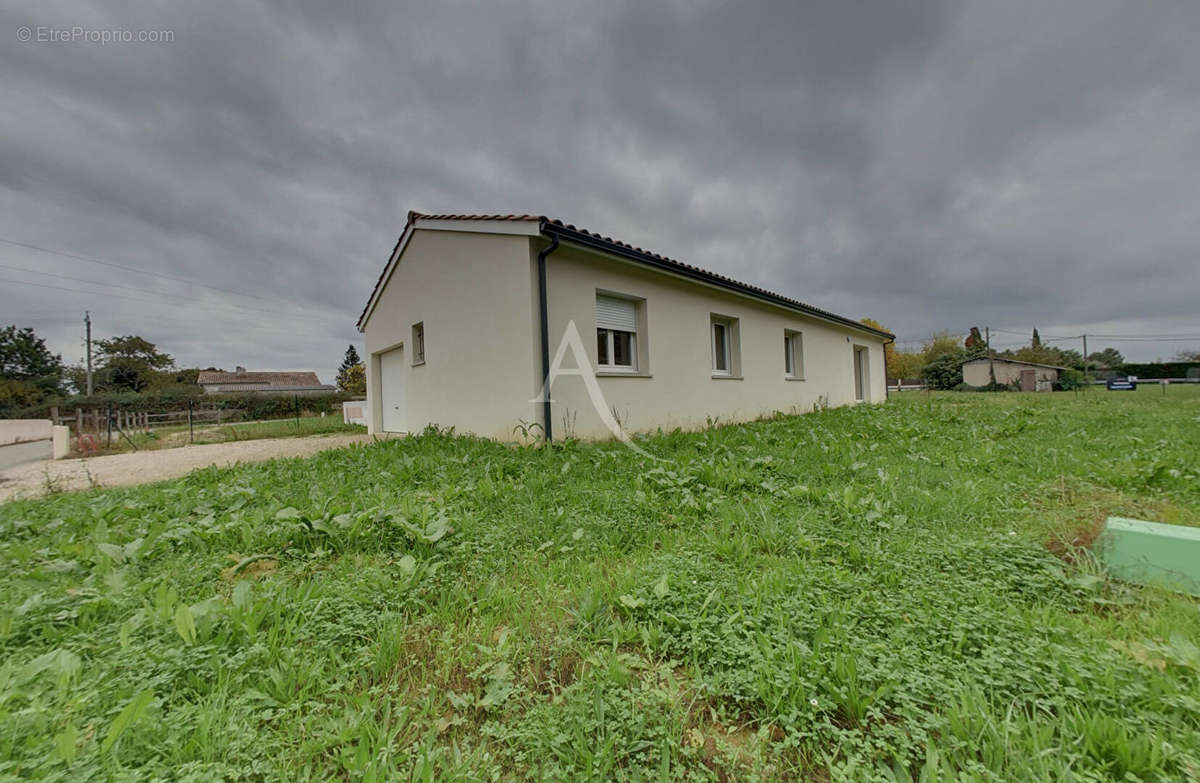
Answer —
931 165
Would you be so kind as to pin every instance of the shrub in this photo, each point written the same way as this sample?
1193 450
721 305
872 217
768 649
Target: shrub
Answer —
945 370
253 406
1069 380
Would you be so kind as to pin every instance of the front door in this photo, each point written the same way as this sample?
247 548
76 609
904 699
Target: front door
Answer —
1028 380
392 373
860 373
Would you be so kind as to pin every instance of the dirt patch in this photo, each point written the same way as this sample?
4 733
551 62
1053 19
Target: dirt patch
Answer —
48 476
1068 545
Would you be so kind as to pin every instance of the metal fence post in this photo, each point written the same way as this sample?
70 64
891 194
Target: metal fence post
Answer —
191 431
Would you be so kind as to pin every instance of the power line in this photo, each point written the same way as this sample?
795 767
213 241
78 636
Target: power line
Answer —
126 268
79 291
105 294
228 307
1147 336
1110 338
111 285
1042 337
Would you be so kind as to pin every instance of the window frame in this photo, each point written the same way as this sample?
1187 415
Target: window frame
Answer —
609 364
793 340
720 356
418 343
636 357
731 354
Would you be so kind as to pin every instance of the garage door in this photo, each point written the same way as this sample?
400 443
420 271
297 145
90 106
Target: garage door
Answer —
392 373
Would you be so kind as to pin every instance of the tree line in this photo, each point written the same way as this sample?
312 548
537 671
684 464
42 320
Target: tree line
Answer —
31 374
939 362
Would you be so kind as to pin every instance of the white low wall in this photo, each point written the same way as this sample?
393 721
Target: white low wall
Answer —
24 430
354 412
61 441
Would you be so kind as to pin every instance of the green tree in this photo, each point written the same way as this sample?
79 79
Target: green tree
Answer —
28 368
1046 354
1037 339
130 363
906 364
940 344
1108 359
350 359
352 375
889 350
1070 379
353 380
945 370
942 359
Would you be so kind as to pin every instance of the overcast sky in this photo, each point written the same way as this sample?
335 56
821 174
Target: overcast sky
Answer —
931 165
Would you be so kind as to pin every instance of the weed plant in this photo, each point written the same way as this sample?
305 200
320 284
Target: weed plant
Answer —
896 592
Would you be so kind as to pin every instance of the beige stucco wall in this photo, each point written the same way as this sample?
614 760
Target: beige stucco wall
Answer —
978 373
476 294
676 387
473 293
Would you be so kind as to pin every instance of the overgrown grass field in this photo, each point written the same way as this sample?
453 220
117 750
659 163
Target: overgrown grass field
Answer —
897 592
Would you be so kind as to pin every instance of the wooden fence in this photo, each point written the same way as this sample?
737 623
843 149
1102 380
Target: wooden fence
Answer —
103 424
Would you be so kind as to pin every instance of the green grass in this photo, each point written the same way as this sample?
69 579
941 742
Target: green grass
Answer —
176 436
876 593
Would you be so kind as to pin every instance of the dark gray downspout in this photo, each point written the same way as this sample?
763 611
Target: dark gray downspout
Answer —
886 393
547 424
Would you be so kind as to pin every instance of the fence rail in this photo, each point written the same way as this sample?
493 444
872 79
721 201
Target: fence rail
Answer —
91 425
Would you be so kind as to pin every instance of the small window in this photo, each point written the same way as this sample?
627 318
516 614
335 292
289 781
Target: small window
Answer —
616 333
724 346
793 354
860 373
720 347
418 343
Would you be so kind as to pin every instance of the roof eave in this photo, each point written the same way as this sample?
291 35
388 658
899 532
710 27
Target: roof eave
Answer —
573 235
534 225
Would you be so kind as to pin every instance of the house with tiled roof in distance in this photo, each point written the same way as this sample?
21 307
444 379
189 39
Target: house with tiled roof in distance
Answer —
243 381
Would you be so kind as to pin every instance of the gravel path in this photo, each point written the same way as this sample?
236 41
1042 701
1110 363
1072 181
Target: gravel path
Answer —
141 467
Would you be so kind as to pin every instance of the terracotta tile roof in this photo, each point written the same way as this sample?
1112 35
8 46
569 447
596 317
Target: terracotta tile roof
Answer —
570 232
518 218
280 380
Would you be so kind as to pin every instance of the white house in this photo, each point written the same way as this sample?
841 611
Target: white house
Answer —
472 312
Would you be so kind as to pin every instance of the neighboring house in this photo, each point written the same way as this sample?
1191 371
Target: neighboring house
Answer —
470 312
242 382
1028 375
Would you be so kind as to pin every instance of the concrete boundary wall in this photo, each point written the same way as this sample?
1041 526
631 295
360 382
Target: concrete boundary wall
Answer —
24 430
354 412
61 445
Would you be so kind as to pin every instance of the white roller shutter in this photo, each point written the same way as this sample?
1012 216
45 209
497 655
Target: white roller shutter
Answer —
615 313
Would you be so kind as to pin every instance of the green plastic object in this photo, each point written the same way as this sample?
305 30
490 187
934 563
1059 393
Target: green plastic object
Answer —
1151 553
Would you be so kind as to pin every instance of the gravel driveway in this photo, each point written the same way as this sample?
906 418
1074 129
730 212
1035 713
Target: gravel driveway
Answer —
141 467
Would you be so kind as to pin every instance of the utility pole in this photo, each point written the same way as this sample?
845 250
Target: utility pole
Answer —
1085 361
87 322
987 339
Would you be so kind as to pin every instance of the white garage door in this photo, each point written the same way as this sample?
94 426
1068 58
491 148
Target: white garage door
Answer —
392 371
